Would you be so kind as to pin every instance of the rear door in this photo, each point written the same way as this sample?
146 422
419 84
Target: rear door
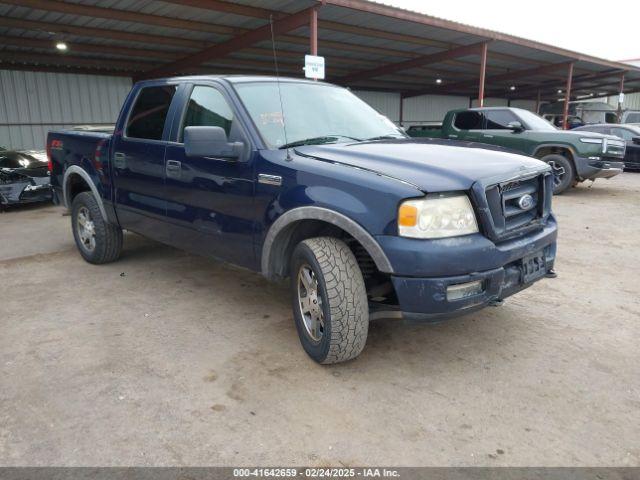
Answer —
210 200
467 125
138 160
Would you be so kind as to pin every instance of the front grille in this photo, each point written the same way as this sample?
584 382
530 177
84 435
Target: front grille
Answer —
517 205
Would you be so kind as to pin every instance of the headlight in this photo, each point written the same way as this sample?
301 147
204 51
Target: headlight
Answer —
437 216
597 141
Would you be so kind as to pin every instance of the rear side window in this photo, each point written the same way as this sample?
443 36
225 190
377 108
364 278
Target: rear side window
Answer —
633 118
207 108
149 113
610 117
499 119
468 120
623 133
596 129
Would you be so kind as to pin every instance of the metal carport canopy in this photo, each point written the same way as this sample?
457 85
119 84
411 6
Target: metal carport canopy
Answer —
367 45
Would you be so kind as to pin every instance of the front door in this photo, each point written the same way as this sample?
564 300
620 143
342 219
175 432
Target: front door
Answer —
210 207
138 155
496 131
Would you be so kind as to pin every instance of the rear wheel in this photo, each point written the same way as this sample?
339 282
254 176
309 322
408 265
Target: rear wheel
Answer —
562 170
329 300
97 240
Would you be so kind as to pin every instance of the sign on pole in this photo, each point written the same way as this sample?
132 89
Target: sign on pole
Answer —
314 67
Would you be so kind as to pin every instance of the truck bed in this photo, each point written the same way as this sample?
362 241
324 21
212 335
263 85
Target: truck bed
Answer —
85 149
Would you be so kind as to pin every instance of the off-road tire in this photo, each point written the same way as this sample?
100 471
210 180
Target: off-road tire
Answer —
569 177
108 237
344 299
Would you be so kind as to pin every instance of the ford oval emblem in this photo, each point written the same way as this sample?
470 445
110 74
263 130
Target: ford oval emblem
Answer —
525 202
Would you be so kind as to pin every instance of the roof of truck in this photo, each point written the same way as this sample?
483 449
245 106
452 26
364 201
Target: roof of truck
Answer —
236 79
475 109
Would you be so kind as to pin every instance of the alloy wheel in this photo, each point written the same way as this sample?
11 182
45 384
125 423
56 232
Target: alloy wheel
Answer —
310 302
558 172
86 229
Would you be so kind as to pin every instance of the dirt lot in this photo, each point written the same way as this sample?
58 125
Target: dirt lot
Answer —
164 358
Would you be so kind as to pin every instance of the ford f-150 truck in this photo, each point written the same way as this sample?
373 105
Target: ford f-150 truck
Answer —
301 179
574 157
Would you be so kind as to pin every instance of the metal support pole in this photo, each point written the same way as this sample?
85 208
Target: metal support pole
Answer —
401 109
483 74
538 103
313 27
620 96
567 97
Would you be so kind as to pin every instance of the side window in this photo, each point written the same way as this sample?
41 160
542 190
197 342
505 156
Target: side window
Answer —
149 113
633 118
610 117
499 119
207 108
469 120
622 133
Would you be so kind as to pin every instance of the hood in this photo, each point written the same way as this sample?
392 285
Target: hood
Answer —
577 134
428 164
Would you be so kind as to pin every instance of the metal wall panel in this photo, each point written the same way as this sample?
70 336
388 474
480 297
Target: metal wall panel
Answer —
524 104
631 101
32 103
387 103
430 108
492 102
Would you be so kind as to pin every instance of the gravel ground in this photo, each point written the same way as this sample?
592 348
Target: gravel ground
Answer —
164 358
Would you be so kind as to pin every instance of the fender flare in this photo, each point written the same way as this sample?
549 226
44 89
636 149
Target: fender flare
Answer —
76 170
317 213
564 146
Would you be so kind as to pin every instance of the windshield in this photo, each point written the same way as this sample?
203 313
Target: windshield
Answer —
319 113
535 122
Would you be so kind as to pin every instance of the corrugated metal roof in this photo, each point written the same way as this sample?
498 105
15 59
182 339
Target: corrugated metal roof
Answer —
354 36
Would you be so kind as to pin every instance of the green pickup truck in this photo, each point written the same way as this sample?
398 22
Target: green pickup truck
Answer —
573 156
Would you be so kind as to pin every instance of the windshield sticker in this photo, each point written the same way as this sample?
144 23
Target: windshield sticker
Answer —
269 118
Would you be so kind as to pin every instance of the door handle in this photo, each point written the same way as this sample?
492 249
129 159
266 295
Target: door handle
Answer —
173 165
487 136
120 160
173 169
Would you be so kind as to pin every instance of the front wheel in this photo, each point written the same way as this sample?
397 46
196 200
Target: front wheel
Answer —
97 240
329 300
562 170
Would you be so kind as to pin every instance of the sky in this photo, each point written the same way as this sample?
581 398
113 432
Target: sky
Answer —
607 30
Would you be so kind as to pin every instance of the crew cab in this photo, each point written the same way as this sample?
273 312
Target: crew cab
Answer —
573 156
301 179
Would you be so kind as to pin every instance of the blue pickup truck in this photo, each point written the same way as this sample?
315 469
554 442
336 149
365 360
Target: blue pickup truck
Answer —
301 179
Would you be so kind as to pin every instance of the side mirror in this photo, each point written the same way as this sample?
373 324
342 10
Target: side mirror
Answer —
210 142
636 140
515 126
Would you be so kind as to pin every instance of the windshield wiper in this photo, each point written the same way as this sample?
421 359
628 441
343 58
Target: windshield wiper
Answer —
385 137
317 141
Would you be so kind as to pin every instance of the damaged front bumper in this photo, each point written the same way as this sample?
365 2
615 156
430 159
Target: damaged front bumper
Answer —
451 277
26 191
598 167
